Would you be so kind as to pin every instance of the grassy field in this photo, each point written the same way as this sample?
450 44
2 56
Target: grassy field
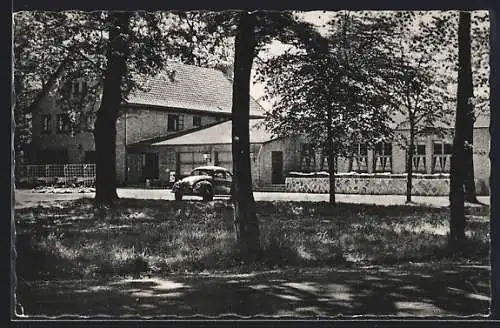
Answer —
71 239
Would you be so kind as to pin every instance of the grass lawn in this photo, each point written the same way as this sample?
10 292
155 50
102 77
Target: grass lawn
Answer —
71 239
157 258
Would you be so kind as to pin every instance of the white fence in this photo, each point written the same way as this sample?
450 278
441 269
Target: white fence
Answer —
50 174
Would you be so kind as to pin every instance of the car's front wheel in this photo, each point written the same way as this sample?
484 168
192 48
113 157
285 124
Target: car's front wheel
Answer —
178 195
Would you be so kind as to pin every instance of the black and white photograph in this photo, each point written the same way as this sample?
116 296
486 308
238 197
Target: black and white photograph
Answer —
234 164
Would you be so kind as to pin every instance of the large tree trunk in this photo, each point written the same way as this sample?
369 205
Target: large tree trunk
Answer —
468 92
409 162
105 125
470 185
494 158
457 172
246 223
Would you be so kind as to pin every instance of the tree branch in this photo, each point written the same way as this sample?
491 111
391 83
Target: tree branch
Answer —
49 85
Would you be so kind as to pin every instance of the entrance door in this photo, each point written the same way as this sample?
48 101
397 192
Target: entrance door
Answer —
277 167
151 166
135 168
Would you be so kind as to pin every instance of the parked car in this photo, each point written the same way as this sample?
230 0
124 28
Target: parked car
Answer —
204 181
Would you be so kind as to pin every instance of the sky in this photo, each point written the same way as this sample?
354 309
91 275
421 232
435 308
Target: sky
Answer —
318 18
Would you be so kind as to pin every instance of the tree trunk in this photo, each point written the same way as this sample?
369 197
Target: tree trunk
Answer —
494 159
331 157
246 223
470 185
468 92
105 125
49 85
409 162
457 170
331 171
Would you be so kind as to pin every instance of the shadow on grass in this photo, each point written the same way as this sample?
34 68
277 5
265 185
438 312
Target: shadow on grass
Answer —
136 236
67 252
376 291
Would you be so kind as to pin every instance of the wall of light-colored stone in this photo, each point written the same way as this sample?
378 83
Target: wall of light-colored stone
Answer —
370 186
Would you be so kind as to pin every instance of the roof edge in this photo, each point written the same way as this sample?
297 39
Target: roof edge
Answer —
150 141
184 110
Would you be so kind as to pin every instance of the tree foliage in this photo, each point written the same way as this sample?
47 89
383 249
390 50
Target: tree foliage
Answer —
81 41
338 96
420 82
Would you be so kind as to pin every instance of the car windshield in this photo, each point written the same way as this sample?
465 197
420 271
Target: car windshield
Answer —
201 172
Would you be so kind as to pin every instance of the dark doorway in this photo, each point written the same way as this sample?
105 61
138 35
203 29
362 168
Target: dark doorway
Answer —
277 167
151 166
135 168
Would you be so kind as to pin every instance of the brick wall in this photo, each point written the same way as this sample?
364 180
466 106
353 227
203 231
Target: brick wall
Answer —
145 123
290 147
121 153
76 144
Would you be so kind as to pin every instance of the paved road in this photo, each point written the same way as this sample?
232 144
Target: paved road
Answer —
25 198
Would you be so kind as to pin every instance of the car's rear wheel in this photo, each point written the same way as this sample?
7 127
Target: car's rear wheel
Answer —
207 194
178 195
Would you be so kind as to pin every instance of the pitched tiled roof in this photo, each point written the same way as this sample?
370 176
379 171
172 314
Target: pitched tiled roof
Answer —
190 87
217 134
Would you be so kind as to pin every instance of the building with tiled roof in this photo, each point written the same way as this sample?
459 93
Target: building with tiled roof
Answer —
183 120
179 99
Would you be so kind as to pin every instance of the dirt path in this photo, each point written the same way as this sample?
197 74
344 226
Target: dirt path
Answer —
321 293
27 198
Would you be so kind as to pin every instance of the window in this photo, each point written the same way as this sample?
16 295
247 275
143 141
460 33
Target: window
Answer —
196 121
46 120
219 175
419 158
79 88
441 156
360 158
175 122
383 157
90 120
62 123
324 165
307 158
